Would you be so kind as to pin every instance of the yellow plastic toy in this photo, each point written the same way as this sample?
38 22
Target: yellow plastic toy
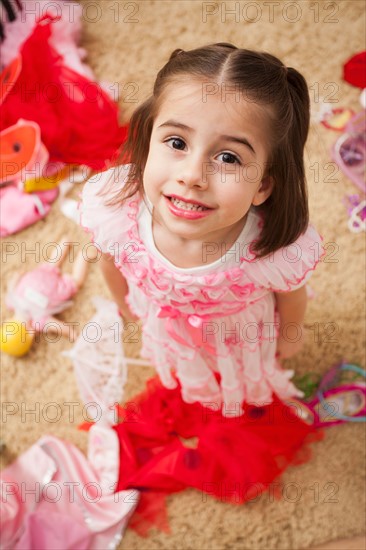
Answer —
15 338
37 295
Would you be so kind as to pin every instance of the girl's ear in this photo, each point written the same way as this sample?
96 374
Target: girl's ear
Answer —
264 191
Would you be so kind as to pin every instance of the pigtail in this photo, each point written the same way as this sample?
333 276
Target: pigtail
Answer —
175 53
301 102
298 135
286 211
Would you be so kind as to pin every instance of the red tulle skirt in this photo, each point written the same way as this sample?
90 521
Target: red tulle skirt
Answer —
78 120
233 460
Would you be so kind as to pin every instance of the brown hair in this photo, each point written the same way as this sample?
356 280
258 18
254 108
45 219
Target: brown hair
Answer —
266 81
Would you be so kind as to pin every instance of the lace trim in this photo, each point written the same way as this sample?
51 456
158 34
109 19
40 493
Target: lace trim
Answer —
231 274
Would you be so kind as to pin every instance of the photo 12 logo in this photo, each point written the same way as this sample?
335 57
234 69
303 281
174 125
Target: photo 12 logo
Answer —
89 11
271 12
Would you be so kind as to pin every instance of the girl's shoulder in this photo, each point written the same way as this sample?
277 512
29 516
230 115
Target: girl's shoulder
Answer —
104 186
108 223
289 267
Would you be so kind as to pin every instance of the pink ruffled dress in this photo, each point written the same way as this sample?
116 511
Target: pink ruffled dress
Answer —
212 327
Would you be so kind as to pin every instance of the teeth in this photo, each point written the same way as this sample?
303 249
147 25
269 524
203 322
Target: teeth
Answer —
186 205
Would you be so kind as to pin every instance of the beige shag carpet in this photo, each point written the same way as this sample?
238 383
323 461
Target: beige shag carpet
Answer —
127 42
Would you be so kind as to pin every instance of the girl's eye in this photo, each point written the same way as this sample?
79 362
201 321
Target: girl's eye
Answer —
176 143
229 158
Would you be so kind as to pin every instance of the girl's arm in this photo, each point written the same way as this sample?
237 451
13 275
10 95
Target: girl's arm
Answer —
291 307
117 285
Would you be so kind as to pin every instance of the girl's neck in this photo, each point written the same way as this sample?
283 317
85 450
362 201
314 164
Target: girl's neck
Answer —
186 253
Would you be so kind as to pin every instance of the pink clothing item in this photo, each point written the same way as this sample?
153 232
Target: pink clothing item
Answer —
45 530
220 317
41 293
52 485
18 210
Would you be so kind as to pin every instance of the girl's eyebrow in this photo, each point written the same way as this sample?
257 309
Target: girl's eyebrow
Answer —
234 139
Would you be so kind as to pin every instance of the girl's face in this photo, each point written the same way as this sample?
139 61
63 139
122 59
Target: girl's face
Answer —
206 162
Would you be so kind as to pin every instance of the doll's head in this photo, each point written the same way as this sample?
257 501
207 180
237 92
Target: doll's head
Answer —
270 100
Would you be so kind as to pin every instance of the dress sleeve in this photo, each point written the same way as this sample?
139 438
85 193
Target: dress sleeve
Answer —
107 224
290 267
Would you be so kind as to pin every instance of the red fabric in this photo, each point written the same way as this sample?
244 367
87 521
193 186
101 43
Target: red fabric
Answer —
78 121
354 70
236 459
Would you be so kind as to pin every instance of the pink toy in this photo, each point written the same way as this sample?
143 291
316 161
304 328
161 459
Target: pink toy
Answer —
18 210
39 295
335 402
349 151
348 398
357 213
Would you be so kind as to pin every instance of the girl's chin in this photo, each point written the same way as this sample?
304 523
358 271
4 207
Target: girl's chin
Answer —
181 228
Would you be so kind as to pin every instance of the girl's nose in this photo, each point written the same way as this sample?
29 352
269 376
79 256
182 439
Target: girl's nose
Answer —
193 173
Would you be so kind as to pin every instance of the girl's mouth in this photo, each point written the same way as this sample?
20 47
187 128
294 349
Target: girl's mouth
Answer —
186 209
187 205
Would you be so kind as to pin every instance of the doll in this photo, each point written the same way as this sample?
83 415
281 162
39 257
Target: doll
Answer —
36 296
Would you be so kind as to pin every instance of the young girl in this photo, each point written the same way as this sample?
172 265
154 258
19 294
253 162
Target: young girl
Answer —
205 233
